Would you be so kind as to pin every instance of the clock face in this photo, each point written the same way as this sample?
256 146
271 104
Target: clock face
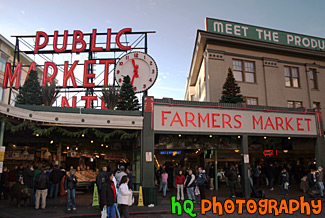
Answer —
141 69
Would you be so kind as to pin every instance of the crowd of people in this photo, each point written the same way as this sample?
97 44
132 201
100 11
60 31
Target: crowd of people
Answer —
115 188
195 180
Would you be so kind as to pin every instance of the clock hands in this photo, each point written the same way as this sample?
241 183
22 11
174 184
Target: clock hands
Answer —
135 71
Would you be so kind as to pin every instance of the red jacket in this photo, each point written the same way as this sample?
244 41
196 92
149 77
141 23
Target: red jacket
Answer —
179 180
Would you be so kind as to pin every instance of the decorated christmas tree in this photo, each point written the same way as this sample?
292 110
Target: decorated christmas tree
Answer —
31 92
231 90
127 98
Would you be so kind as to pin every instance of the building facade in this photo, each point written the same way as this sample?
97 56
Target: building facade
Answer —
269 73
7 50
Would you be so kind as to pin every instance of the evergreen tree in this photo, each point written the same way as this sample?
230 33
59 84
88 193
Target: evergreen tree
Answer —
31 92
127 98
231 90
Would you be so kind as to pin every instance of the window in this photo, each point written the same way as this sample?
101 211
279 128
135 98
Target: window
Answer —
244 71
291 77
316 105
294 104
313 78
251 101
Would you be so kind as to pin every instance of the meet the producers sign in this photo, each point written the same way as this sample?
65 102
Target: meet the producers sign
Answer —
264 34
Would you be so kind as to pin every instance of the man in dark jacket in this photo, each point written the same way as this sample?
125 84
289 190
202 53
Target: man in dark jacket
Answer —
269 171
284 178
101 179
232 179
319 181
55 178
201 182
4 183
41 183
28 178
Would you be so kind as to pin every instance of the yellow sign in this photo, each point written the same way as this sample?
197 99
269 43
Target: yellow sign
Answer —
2 153
140 202
95 196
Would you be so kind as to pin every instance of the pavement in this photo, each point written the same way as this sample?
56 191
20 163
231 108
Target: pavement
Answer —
57 208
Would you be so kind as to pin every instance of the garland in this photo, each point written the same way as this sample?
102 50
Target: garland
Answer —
41 131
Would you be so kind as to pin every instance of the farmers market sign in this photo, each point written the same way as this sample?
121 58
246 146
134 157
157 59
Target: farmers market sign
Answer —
264 34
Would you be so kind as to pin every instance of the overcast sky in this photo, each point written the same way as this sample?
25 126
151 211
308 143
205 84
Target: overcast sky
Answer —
175 22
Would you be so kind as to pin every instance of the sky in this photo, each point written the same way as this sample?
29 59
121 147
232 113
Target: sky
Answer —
175 21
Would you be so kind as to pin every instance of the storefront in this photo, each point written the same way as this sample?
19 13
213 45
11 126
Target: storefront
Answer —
196 133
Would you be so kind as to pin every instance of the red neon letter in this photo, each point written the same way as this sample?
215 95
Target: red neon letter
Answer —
69 73
163 117
8 74
93 42
269 123
65 102
46 40
88 100
108 40
238 121
260 120
55 72
288 124
103 105
299 124
308 123
31 67
207 118
107 63
76 40
87 75
191 120
214 120
279 124
226 122
55 41
177 119
118 36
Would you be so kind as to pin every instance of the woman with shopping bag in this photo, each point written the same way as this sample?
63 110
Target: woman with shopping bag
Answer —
124 197
108 197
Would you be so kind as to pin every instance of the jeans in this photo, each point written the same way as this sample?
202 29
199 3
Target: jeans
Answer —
3 190
190 193
164 185
55 190
320 188
271 180
160 184
202 191
71 194
180 192
232 188
111 211
282 188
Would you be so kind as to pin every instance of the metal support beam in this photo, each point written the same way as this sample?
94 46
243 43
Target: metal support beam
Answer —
245 166
216 170
2 132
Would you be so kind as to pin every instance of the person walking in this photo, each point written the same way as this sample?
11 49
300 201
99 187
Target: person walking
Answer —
284 178
179 184
164 182
41 184
108 196
189 184
201 182
212 176
4 183
269 171
70 187
319 181
232 179
55 177
124 196
28 176
101 182
129 174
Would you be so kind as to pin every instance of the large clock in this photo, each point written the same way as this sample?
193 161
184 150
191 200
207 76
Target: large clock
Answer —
140 67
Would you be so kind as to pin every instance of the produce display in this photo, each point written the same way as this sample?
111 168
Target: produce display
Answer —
86 176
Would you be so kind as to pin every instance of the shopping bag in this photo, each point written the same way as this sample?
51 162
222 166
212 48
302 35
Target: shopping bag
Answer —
286 185
104 213
196 191
130 202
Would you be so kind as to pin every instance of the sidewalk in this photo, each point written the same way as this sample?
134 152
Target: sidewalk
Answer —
57 208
